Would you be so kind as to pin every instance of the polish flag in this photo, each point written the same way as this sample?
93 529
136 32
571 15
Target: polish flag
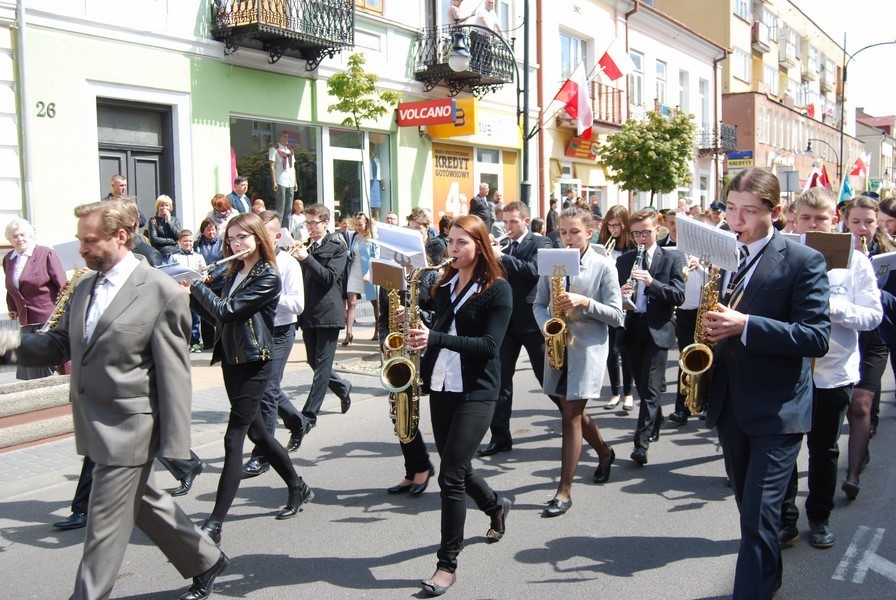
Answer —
860 168
574 95
818 178
616 63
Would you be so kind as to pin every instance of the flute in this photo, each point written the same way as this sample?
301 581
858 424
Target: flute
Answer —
218 263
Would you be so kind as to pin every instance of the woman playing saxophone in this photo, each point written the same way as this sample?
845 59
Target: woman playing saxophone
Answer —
591 304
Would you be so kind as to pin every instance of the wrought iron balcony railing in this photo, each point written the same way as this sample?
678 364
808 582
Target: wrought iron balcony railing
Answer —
309 29
491 63
720 137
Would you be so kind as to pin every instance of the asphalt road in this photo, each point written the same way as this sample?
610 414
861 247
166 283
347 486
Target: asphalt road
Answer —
666 530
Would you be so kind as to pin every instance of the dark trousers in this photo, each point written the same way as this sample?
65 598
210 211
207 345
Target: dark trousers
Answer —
416 458
458 427
827 420
533 341
208 333
647 362
275 402
245 384
620 374
759 469
320 349
685 325
178 467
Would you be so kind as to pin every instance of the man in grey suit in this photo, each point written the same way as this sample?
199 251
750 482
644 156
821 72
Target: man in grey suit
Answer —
126 330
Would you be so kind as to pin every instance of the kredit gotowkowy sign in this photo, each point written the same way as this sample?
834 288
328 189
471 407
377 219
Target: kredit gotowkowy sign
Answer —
429 112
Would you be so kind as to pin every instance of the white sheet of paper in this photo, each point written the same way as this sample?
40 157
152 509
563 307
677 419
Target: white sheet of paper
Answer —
554 260
708 243
286 240
69 254
600 249
400 244
882 265
180 273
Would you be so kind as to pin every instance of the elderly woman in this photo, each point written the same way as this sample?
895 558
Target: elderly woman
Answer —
221 213
34 278
164 227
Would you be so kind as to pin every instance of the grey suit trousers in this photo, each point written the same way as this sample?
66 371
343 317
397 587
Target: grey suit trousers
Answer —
122 497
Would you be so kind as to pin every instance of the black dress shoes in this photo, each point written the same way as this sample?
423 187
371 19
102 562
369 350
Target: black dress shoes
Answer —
400 489
298 496
419 488
345 403
556 507
75 521
187 482
654 437
820 535
295 439
679 418
640 456
213 529
255 467
437 590
602 474
493 448
202 585
789 536
499 521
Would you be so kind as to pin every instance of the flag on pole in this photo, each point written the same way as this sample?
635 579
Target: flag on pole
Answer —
860 167
818 178
574 95
846 192
616 62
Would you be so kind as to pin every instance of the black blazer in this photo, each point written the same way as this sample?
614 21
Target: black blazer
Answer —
482 208
323 272
481 323
522 275
663 295
427 280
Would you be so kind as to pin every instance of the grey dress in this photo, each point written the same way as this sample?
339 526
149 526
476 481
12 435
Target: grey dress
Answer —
587 346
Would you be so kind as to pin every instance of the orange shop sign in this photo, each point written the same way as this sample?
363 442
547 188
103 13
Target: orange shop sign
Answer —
464 123
582 148
452 179
429 112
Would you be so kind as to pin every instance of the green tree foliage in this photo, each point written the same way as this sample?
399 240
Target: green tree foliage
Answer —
357 94
653 153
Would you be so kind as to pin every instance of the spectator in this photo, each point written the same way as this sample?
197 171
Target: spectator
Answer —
164 227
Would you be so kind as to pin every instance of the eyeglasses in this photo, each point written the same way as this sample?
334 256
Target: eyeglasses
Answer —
614 225
313 223
642 234
239 238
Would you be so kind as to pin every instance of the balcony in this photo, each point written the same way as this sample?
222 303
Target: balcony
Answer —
306 29
716 139
787 55
491 63
827 82
809 71
607 104
761 42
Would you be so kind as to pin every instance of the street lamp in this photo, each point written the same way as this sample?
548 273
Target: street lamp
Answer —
846 62
459 61
809 150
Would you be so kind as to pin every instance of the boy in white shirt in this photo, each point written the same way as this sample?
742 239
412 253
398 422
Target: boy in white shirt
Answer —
192 260
855 306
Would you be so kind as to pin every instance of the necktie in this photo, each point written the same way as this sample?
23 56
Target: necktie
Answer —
513 246
739 278
94 309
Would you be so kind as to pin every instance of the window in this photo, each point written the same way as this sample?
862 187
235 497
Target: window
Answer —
572 50
504 15
636 79
762 125
371 5
742 9
703 92
684 92
793 89
813 59
740 64
771 80
661 82
771 21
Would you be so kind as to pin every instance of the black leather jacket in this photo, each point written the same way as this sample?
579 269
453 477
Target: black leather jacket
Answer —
244 320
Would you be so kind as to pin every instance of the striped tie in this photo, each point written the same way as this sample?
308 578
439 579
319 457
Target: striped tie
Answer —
741 277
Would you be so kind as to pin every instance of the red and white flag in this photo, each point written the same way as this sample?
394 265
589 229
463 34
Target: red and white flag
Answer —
818 178
860 167
574 95
616 62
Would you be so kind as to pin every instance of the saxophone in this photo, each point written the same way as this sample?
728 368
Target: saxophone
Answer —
696 359
65 295
400 375
555 330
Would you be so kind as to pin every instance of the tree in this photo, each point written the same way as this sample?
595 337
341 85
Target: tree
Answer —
360 101
653 153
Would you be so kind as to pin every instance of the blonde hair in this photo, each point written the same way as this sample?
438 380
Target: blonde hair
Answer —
164 200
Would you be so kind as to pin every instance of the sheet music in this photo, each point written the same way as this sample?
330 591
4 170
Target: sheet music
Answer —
69 254
403 245
387 274
708 243
180 273
882 265
552 261
286 240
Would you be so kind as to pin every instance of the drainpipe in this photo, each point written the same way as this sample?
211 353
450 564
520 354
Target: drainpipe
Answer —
24 110
628 104
716 157
539 83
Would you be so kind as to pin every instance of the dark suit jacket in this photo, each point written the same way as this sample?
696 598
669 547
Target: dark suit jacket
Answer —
482 208
522 275
663 295
323 272
240 204
769 381
39 285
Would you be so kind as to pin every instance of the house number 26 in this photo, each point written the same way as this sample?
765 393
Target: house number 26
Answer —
46 109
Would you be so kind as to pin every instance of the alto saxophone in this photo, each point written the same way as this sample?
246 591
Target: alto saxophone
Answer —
65 296
696 359
400 375
555 330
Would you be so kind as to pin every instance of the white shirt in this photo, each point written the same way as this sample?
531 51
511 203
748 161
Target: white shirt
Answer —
292 291
755 248
21 261
103 295
855 306
286 176
447 372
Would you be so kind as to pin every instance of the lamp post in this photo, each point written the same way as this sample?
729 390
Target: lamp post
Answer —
459 61
846 60
837 156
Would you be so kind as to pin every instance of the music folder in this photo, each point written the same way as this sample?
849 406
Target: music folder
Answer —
387 274
836 247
